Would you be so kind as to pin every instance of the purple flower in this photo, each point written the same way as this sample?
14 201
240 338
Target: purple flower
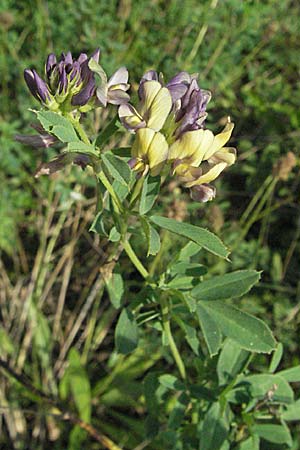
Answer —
37 86
191 108
36 140
68 80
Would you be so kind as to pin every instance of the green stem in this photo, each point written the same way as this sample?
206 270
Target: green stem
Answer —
134 259
79 128
105 181
167 329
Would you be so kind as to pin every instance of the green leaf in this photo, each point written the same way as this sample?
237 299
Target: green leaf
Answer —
214 429
231 285
252 443
114 235
181 282
292 412
246 330
117 168
115 288
231 362
277 434
200 236
107 132
126 333
189 250
152 237
6 343
171 382
291 375
211 331
150 191
191 337
178 411
188 269
98 224
80 385
276 358
58 125
81 147
264 386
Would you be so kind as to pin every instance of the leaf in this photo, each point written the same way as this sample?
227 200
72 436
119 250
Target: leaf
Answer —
80 385
276 358
231 362
211 331
114 235
107 132
82 147
189 250
181 282
115 288
200 236
117 168
291 375
277 434
171 382
221 287
214 429
152 237
126 333
6 343
98 224
178 411
191 337
188 269
150 191
58 125
292 412
264 386
252 443
246 330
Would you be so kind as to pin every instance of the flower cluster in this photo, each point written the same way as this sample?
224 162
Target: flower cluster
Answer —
71 83
169 132
168 123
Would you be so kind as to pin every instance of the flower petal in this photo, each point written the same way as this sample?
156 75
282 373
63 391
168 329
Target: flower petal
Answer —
209 176
192 145
119 77
157 154
219 141
142 142
203 193
130 118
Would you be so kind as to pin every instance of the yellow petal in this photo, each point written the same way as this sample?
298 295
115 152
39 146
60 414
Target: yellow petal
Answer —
159 109
157 154
220 140
149 91
192 146
226 154
143 139
209 176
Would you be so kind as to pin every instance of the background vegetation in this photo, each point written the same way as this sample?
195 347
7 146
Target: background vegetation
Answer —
55 309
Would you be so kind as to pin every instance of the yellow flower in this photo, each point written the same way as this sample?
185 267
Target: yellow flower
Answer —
154 108
196 147
149 151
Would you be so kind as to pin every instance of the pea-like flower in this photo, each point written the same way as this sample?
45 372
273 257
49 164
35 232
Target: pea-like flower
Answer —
113 90
149 151
69 81
154 108
201 147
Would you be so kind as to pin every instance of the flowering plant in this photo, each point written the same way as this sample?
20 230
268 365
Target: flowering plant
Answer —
170 138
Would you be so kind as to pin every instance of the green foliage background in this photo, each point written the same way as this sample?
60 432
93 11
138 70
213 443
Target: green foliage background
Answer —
247 54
